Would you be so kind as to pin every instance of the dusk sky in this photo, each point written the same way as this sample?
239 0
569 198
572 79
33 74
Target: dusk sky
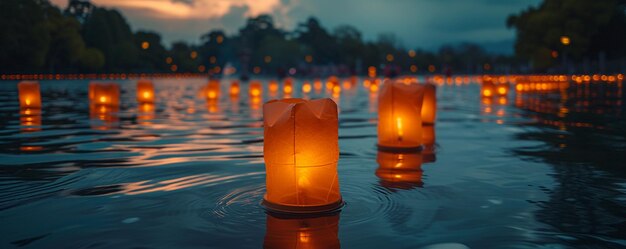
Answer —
424 24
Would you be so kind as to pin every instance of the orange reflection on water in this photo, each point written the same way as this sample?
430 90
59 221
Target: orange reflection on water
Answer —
399 170
307 232
146 113
30 120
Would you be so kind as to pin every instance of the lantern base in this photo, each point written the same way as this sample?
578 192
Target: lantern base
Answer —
399 149
290 209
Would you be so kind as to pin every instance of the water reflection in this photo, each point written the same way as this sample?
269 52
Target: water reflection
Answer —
308 232
579 127
399 170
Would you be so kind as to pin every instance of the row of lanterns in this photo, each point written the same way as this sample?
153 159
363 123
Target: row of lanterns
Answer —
301 137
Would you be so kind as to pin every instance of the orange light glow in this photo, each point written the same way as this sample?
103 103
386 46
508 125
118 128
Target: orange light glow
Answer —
399 170
307 232
145 91
255 89
399 115
306 87
301 153
503 89
29 93
288 87
273 86
104 104
234 89
212 90
429 106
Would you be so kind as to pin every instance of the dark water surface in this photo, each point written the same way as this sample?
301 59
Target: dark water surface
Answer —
529 171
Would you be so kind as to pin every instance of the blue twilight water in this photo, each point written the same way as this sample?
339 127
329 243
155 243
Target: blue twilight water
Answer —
526 171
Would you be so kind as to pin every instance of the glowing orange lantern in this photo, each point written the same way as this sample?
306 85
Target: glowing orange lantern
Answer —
145 91
213 90
301 152
104 94
30 97
255 89
273 86
309 232
288 87
400 116
429 107
234 89
399 170
502 89
487 89
306 87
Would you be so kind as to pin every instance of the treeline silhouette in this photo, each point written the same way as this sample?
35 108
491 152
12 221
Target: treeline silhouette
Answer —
38 37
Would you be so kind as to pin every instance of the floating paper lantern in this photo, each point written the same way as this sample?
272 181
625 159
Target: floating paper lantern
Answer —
399 116
306 87
104 104
213 90
255 89
288 87
311 232
502 89
104 94
234 89
273 86
429 106
488 88
30 97
399 170
145 91
301 153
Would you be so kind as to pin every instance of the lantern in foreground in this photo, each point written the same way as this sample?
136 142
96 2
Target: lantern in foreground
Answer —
429 106
30 97
311 232
399 170
301 153
255 89
145 91
212 90
400 116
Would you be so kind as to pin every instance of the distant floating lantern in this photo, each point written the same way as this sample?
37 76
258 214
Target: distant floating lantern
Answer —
145 91
306 87
273 86
288 87
310 232
104 103
104 94
301 153
488 88
502 89
400 116
213 90
399 170
234 89
255 89
429 106
30 96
